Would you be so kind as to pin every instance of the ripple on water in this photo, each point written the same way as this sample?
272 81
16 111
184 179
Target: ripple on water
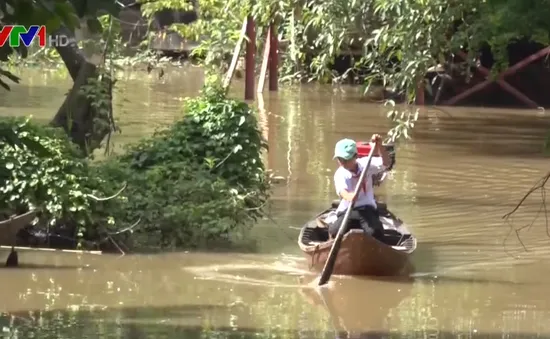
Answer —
275 274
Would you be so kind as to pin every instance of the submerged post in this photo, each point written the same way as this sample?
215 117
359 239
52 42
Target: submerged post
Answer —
273 58
420 95
235 59
265 63
250 63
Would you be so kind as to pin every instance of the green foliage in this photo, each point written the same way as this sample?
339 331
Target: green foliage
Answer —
177 204
200 179
41 169
99 92
217 134
149 8
53 14
117 52
413 36
217 28
399 40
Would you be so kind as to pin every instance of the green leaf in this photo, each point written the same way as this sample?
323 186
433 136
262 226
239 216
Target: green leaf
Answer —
94 26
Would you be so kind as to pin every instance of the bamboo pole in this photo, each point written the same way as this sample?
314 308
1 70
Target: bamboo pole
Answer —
235 59
263 116
265 62
50 250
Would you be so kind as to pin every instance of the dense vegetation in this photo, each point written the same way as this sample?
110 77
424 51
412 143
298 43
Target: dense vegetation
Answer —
202 179
206 151
199 180
397 42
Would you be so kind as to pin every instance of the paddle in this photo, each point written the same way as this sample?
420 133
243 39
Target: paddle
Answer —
329 264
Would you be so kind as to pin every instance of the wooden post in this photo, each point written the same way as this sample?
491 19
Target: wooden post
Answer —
273 58
264 124
250 62
420 94
265 61
500 80
476 88
235 59
271 140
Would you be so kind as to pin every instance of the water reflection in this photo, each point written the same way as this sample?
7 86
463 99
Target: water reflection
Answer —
358 305
347 308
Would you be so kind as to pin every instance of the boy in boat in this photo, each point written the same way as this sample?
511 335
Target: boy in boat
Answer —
365 212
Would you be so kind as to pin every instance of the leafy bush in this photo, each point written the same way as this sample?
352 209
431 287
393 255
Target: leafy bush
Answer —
200 179
41 169
179 206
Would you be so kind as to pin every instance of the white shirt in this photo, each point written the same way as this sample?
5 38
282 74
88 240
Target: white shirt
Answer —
346 180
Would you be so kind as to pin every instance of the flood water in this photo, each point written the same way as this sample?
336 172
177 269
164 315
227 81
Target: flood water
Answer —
464 169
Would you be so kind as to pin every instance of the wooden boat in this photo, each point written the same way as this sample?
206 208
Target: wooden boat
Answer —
360 254
10 227
358 305
8 233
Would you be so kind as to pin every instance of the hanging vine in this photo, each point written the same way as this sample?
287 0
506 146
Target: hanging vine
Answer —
100 90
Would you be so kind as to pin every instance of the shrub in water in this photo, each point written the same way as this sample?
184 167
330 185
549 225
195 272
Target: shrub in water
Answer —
41 169
200 179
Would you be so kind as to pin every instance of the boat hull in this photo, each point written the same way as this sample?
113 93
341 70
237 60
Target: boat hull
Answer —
360 254
10 227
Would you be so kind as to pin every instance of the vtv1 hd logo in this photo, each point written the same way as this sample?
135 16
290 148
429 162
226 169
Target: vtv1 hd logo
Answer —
15 35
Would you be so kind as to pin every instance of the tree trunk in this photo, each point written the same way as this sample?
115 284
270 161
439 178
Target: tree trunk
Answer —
85 118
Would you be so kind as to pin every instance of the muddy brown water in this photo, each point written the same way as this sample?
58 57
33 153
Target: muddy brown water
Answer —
464 169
